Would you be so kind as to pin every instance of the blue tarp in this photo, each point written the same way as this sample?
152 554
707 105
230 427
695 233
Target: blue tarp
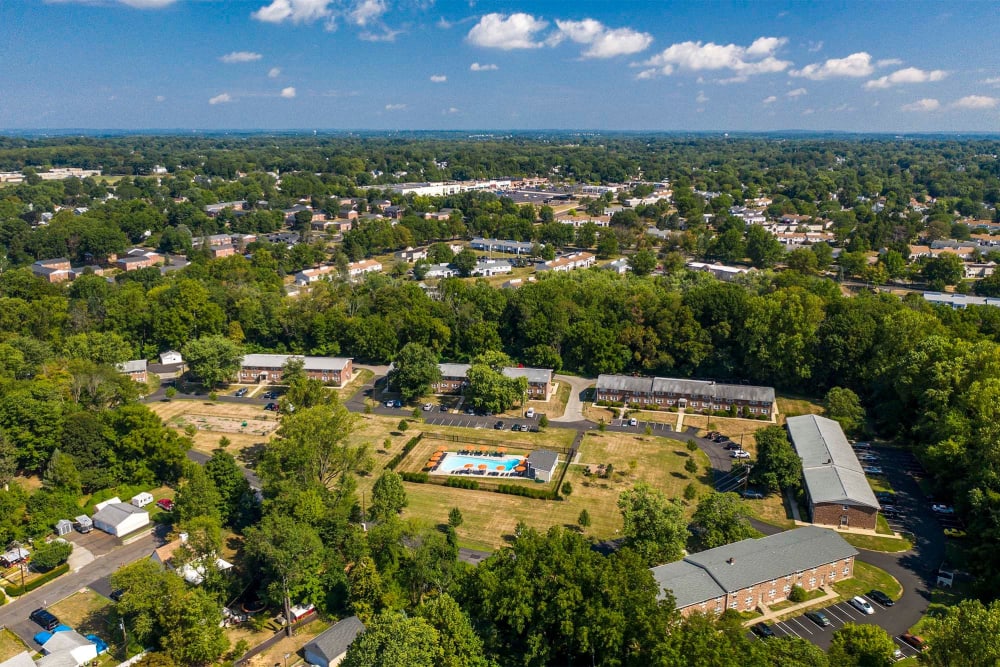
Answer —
101 645
45 635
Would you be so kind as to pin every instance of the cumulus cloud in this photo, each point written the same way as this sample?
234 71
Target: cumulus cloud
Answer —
758 58
992 81
702 98
926 104
855 65
221 98
603 42
476 67
904 76
815 46
288 93
798 92
438 78
499 31
367 12
976 102
771 99
294 11
889 62
160 98
240 57
395 107
274 73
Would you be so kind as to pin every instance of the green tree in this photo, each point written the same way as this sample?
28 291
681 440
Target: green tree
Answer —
366 589
584 519
414 370
8 460
724 519
763 249
459 643
237 501
794 652
392 639
802 260
642 262
861 646
491 390
690 491
388 496
50 554
607 245
62 475
690 466
653 525
945 269
778 467
963 636
455 518
465 262
844 406
212 359
197 495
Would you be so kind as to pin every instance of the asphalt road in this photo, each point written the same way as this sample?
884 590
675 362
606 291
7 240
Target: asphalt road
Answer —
14 615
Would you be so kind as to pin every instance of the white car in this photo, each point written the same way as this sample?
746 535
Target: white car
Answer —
530 414
428 407
739 454
861 605
943 509
633 422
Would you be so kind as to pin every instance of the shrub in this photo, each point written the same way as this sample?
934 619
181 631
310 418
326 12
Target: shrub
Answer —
403 425
212 396
797 594
170 392
526 492
567 488
691 466
407 448
690 491
543 421
51 554
415 477
15 591
460 483
692 446
584 519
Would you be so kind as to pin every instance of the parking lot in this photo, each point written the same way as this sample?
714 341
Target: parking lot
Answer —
473 421
640 427
839 615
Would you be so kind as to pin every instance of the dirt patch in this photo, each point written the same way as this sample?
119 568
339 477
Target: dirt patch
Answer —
245 425
86 612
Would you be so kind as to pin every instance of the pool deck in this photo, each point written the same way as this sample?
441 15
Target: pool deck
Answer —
491 461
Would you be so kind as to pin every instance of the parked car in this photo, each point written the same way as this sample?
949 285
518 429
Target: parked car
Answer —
868 458
515 427
819 618
428 407
44 618
732 445
881 598
240 393
751 494
270 395
897 654
498 426
712 435
273 407
872 470
739 454
916 641
862 445
762 630
861 605
470 411
942 509
530 414
117 594
886 497
165 504
443 408
633 422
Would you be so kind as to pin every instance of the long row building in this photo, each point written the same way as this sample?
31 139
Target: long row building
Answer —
688 394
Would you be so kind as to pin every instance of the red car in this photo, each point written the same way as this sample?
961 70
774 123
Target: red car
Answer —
165 504
914 641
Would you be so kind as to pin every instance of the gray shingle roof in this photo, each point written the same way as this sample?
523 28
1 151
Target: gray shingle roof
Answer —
310 363
624 383
543 459
736 566
134 366
115 513
454 370
534 375
830 469
685 387
334 641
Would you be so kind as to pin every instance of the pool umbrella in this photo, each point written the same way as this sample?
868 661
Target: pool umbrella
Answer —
467 465
501 468
483 466
520 468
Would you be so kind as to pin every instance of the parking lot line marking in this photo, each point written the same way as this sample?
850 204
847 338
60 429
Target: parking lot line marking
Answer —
800 624
850 611
833 613
789 629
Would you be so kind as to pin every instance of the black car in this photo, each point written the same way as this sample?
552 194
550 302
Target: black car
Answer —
270 395
516 427
762 630
44 618
271 406
498 426
819 618
732 445
886 497
117 594
881 598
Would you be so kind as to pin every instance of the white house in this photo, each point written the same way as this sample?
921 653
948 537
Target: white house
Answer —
440 271
576 260
329 648
355 269
492 267
171 357
68 648
193 573
118 518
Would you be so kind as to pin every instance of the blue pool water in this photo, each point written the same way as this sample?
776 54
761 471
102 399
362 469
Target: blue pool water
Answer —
452 462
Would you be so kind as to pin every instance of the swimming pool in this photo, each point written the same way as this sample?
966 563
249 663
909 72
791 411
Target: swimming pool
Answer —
454 462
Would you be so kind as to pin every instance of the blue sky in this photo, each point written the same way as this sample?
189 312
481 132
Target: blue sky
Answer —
472 64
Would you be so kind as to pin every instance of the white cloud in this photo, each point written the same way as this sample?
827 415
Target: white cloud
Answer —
855 65
476 67
758 58
926 104
798 92
367 12
395 107
992 81
889 62
647 74
288 93
438 78
701 99
240 57
274 73
294 11
386 35
147 4
770 100
976 102
498 31
815 46
907 75
160 98
603 41
221 98
451 110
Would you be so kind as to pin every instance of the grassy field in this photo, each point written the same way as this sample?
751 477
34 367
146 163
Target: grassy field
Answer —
773 510
792 407
10 645
875 543
86 612
490 518
868 577
215 420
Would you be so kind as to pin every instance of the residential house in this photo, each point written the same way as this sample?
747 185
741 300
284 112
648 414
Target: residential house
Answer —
67 649
720 271
222 251
980 270
117 518
745 574
542 464
411 254
580 220
836 488
696 395
310 276
576 260
135 369
442 215
619 266
138 258
237 207
440 271
171 357
22 659
329 647
52 270
960 300
193 572
357 269
269 368
492 267
962 252
496 245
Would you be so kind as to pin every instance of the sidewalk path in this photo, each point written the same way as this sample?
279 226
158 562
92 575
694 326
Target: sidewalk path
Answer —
772 615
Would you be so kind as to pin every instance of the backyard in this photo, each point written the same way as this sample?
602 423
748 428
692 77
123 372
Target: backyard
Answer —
86 612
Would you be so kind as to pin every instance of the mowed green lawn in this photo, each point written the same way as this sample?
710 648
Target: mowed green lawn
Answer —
490 518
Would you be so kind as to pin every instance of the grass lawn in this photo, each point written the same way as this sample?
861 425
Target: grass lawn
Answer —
880 484
490 518
875 543
792 407
10 644
773 510
596 413
785 604
361 377
215 420
868 577
882 526
86 612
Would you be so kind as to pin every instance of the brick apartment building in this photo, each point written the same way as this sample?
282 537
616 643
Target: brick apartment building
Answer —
694 395
454 380
270 368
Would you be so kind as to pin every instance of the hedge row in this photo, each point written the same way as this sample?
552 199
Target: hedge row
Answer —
407 448
415 477
527 492
462 483
17 591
